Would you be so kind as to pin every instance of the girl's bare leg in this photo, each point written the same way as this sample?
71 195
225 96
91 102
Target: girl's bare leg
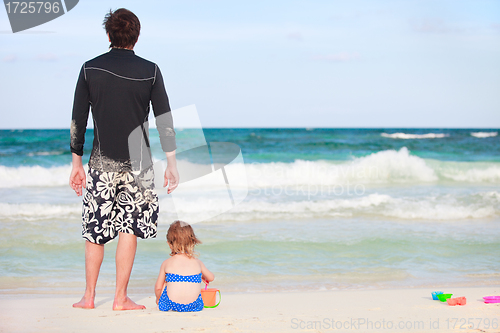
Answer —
94 253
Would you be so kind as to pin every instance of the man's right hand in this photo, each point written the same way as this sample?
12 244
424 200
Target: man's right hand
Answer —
77 179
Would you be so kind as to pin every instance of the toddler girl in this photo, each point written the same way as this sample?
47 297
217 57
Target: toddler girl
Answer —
182 273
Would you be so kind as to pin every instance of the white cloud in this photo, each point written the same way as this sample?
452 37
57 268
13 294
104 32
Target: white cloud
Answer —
9 58
360 14
46 57
432 25
295 36
339 57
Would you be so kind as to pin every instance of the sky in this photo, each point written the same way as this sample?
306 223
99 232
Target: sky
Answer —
413 63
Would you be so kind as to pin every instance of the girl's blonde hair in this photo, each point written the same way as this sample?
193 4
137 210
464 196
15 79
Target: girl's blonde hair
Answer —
181 238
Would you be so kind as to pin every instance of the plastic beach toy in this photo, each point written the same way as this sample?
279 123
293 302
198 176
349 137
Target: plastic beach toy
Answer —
444 297
491 299
456 301
209 296
435 295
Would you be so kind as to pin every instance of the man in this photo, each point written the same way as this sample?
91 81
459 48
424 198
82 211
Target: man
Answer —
120 199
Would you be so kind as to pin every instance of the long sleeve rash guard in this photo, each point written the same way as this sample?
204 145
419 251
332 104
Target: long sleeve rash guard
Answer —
118 86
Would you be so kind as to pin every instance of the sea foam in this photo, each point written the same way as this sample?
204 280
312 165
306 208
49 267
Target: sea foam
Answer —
389 166
37 211
483 134
32 176
489 174
376 205
414 136
260 207
383 167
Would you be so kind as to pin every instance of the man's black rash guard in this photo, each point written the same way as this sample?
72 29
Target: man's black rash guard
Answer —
119 86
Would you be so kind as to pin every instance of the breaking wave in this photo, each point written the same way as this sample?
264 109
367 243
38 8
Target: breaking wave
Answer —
441 207
414 136
384 167
483 134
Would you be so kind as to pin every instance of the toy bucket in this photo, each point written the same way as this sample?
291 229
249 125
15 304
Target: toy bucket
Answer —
444 297
435 295
209 296
456 301
491 299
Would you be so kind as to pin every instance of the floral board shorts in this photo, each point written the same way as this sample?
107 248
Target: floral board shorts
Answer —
119 202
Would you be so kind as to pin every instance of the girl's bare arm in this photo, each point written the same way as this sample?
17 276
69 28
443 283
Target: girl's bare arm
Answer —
160 282
206 275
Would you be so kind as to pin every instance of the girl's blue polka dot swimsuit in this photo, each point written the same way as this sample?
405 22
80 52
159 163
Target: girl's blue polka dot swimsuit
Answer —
165 304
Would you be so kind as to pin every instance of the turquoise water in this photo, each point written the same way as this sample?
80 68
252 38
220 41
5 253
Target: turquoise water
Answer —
326 209
264 145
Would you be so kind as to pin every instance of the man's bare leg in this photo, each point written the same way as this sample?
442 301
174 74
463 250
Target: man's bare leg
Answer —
94 253
125 255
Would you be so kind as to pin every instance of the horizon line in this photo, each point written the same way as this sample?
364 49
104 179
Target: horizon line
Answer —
306 128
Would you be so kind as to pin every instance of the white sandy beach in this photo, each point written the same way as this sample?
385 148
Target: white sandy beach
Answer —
403 310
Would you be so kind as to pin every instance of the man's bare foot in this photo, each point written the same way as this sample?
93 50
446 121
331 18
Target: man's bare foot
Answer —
127 304
85 303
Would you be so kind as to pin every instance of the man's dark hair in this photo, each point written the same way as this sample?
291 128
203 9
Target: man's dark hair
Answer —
123 28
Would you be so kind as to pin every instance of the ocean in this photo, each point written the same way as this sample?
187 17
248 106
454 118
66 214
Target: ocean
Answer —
326 209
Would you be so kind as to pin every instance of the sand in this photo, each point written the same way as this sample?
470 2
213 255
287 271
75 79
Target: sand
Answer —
401 310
